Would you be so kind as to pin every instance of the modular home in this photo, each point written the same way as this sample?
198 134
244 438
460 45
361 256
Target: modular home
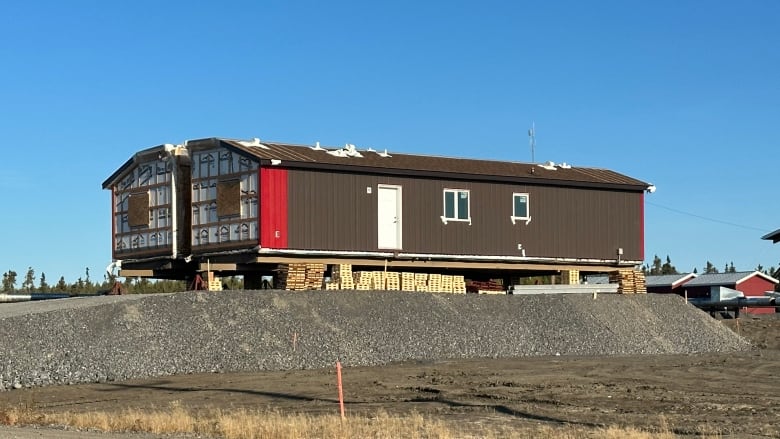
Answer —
243 206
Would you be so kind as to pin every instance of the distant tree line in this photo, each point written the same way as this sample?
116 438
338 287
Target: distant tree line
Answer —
86 286
660 267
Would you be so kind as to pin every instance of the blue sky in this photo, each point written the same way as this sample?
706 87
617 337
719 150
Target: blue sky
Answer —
681 94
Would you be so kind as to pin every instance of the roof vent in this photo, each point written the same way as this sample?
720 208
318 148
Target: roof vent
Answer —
349 150
318 147
550 166
380 154
564 165
254 142
338 153
352 151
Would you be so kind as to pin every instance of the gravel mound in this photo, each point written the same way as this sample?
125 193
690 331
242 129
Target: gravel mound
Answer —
100 339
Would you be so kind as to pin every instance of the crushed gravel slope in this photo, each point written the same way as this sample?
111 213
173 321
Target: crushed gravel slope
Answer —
117 338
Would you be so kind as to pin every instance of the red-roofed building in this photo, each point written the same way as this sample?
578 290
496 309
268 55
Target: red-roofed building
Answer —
750 283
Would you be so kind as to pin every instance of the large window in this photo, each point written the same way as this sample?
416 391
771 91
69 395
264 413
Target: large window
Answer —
520 207
456 205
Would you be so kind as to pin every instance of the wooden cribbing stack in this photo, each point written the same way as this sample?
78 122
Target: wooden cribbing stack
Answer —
407 282
434 283
458 285
629 281
300 277
570 277
392 281
378 280
342 275
446 283
363 280
421 282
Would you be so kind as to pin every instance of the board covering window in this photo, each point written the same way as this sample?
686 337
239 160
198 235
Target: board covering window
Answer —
138 210
520 208
228 198
456 205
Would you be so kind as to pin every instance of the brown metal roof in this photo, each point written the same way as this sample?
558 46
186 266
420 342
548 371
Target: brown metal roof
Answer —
410 164
305 156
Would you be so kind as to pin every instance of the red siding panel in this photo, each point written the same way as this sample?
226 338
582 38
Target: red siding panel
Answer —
755 286
273 208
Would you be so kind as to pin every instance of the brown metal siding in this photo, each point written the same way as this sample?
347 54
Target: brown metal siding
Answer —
333 211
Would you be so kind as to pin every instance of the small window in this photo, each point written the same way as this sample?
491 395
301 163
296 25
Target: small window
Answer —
520 209
456 205
228 198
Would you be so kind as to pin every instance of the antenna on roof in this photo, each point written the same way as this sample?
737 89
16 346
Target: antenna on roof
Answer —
532 140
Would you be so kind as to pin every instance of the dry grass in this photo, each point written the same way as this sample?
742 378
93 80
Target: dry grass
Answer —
244 424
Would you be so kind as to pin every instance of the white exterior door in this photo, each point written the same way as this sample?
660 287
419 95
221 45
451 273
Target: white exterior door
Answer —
389 217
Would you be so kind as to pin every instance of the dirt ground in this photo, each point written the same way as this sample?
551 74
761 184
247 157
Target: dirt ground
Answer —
737 395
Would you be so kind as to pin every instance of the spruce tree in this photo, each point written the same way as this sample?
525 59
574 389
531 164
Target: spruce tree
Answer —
9 281
43 286
29 280
668 268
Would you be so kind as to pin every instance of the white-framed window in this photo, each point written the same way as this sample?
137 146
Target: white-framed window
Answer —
521 209
456 205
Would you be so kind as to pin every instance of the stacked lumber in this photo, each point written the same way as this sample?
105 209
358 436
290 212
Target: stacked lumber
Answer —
392 281
484 287
640 282
315 275
458 285
624 279
629 281
301 277
292 277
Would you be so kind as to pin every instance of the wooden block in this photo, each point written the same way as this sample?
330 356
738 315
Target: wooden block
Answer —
491 292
